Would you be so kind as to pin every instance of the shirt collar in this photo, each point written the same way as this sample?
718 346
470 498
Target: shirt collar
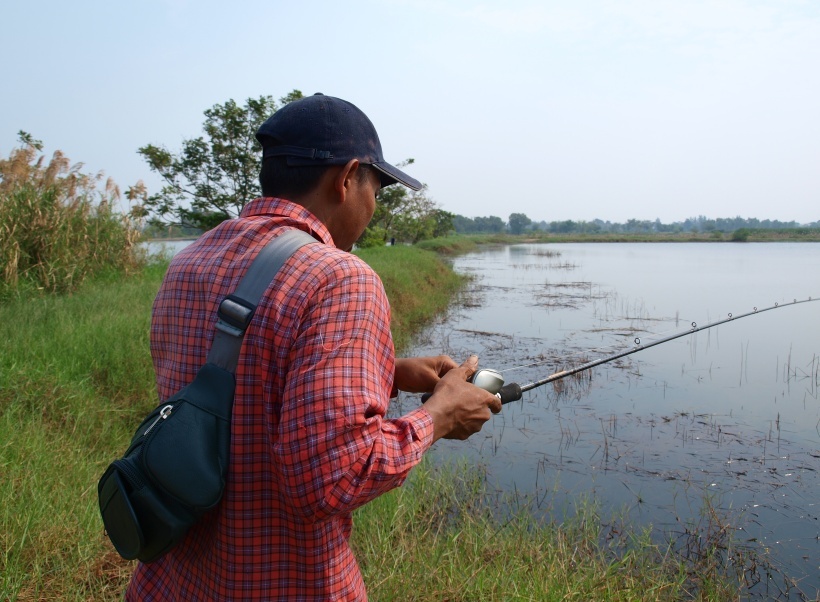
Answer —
301 217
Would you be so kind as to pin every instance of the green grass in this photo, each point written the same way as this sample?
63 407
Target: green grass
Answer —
464 243
57 228
418 284
76 377
461 243
440 537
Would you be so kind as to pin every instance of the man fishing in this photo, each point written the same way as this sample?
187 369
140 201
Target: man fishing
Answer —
310 440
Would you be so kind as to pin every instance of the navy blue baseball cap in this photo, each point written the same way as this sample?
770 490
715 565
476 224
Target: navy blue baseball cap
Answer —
323 130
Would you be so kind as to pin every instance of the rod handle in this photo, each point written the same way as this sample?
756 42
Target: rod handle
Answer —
487 379
510 392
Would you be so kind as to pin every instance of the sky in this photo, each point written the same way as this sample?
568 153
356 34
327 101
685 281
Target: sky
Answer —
582 110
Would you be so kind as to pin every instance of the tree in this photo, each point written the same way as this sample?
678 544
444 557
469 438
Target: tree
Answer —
466 225
463 225
741 235
406 215
214 175
443 221
563 227
490 223
518 221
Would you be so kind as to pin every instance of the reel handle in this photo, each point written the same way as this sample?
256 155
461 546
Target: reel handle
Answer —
492 381
510 392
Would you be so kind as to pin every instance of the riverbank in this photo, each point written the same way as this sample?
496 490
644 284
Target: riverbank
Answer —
76 376
464 243
75 379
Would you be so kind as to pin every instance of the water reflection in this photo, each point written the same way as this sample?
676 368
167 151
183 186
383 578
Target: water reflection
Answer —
166 248
731 413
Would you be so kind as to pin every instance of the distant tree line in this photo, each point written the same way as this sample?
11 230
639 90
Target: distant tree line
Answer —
518 223
212 177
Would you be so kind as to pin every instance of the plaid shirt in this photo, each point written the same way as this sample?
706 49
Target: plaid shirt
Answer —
310 441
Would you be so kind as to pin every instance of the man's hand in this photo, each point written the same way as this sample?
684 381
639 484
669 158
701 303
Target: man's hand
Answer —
459 408
421 374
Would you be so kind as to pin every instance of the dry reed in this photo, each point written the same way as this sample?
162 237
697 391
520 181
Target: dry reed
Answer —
57 227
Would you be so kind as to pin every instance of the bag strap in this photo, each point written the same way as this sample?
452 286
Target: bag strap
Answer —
236 310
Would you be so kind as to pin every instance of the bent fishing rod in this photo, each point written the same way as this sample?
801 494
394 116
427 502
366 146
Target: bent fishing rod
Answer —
492 381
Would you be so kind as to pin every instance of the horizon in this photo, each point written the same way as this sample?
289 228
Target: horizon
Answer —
700 218
583 111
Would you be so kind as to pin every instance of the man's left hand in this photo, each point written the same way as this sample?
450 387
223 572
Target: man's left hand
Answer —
420 374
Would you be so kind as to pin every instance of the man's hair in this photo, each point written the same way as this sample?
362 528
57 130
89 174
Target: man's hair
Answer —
278 179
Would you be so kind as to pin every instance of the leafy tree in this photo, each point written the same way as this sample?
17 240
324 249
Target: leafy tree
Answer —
406 215
518 221
214 175
466 225
415 219
639 226
490 223
741 235
563 227
443 221
463 225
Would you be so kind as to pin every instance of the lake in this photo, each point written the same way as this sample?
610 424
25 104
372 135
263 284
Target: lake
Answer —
726 419
167 248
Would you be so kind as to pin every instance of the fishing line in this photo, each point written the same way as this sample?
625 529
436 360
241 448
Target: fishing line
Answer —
656 335
513 391
605 348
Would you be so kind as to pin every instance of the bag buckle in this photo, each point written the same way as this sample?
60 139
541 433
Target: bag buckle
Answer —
235 315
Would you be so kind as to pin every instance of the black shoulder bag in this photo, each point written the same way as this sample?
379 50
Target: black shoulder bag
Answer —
176 466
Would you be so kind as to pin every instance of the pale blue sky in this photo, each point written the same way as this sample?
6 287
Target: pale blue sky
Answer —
562 110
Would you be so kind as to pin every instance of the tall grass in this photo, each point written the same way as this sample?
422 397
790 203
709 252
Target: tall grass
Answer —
465 243
442 537
75 377
56 227
418 284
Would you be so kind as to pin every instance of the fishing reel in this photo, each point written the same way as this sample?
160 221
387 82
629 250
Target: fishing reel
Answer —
492 381
489 380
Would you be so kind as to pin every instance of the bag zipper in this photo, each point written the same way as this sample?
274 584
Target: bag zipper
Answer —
163 414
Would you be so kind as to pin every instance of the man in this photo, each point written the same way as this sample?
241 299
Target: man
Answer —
309 440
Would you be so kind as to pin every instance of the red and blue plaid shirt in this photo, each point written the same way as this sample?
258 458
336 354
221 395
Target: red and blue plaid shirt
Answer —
310 441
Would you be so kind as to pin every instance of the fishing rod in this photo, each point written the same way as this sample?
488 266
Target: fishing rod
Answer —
492 381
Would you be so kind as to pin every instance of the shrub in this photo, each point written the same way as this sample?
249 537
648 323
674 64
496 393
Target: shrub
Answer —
56 227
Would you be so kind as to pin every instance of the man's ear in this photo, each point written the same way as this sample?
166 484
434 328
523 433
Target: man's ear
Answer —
345 179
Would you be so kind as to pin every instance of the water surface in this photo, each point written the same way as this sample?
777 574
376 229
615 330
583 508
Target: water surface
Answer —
730 415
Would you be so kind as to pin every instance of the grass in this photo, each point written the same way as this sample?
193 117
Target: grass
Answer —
464 243
75 379
76 376
440 537
418 284
56 227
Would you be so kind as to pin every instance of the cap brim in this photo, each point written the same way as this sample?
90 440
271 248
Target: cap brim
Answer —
392 175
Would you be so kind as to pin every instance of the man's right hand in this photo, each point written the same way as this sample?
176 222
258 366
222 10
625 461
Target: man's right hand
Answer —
459 408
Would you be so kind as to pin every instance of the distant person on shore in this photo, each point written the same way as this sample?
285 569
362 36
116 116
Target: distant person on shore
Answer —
310 441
